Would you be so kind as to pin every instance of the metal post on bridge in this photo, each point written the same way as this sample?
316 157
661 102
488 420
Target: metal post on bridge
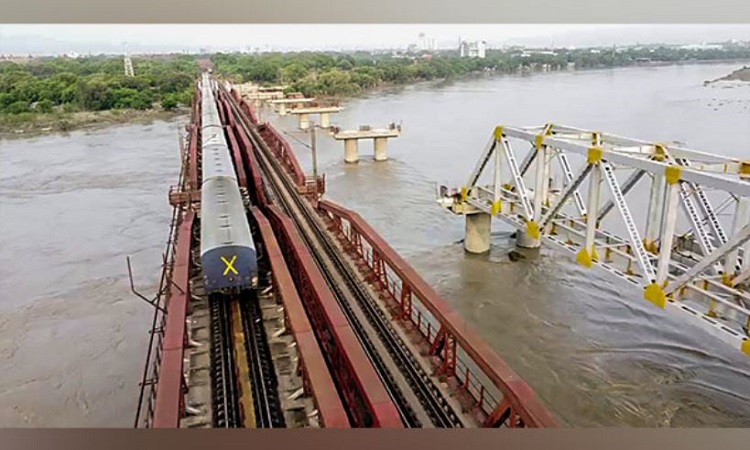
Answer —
313 148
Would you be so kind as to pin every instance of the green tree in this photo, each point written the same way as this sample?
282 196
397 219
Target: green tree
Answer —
169 102
18 107
44 106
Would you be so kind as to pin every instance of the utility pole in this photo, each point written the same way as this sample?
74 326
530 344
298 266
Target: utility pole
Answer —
313 147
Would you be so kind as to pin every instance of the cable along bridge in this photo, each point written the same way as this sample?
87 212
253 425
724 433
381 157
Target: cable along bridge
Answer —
585 192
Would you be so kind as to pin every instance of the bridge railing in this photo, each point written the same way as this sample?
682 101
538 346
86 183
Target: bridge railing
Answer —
283 150
499 395
163 370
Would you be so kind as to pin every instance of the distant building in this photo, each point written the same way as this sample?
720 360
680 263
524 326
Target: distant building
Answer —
474 49
702 46
16 58
426 43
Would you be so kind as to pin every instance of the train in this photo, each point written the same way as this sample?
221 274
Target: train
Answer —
228 253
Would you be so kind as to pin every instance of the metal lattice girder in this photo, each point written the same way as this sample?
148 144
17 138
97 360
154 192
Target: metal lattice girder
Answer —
722 164
709 212
742 277
540 188
570 189
674 278
733 243
565 164
704 240
642 160
482 163
531 156
632 180
667 234
705 205
527 161
735 337
517 179
635 237
732 263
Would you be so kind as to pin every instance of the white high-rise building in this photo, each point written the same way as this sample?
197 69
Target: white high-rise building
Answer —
476 49
426 43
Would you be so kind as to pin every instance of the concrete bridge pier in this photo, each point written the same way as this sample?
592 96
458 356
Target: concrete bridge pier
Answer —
478 227
379 136
304 121
526 241
381 147
282 109
325 120
351 150
304 114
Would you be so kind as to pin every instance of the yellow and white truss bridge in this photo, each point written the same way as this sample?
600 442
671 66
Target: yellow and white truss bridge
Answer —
614 203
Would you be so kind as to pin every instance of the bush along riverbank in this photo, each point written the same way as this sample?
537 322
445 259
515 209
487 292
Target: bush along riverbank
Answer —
348 74
61 94
25 125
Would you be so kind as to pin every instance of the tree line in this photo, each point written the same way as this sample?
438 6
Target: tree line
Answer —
339 74
47 85
96 83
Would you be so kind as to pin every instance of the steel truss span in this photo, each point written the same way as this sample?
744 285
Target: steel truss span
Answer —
681 236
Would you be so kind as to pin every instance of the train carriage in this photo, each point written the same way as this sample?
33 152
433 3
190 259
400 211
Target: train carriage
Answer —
228 254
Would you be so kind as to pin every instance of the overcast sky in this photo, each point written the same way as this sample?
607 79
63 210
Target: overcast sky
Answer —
56 39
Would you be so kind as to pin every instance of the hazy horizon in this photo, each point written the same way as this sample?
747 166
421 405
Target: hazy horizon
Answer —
42 40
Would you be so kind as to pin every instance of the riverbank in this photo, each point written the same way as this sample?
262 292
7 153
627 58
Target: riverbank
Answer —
30 125
742 75
391 87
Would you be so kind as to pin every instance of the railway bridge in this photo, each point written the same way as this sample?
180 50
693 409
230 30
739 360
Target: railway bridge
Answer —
340 331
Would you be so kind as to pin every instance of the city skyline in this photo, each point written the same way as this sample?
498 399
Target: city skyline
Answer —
50 40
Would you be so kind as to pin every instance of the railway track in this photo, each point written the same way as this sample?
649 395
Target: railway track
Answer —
268 413
244 384
420 402
224 383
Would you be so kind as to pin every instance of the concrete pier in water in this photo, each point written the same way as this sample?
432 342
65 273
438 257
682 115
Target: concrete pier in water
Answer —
324 111
380 141
478 228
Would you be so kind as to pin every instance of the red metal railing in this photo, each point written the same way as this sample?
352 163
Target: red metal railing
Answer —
284 152
360 386
245 107
170 390
317 380
499 394
165 402
256 190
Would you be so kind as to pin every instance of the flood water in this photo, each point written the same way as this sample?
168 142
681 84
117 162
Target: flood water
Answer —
72 338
